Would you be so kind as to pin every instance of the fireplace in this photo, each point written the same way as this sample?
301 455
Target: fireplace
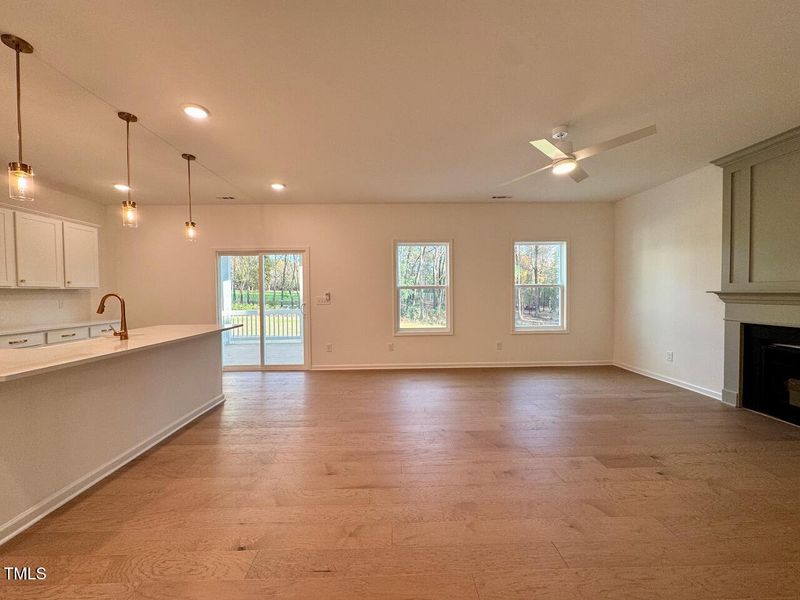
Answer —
771 371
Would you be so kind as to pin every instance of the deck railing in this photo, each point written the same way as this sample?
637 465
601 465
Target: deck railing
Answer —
280 323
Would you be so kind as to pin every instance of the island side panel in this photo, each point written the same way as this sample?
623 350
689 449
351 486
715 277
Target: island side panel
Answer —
62 431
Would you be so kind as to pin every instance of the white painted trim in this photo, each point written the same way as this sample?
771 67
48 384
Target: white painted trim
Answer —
40 510
468 365
448 290
730 397
671 380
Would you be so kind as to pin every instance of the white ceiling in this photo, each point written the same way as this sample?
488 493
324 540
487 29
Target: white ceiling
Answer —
392 100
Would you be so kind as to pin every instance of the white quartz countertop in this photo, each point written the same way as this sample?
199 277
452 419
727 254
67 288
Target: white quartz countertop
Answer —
24 362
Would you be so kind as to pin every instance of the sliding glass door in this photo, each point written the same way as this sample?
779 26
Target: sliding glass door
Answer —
284 309
264 292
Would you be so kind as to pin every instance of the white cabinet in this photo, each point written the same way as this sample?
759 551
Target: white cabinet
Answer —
81 257
22 340
67 335
104 329
40 251
8 267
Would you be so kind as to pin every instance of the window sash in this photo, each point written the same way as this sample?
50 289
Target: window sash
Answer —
562 291
562 263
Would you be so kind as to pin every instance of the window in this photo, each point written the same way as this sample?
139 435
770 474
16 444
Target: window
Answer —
422 287
540 286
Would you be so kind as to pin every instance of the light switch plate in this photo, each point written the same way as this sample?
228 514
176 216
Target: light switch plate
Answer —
324 298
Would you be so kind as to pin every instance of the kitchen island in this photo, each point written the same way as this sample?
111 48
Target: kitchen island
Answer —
73 413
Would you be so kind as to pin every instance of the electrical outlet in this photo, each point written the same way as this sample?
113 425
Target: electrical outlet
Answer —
328 347
391 347
670 356
499 345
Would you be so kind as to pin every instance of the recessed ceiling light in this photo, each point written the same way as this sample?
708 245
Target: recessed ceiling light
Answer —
195 111
121 187
278 187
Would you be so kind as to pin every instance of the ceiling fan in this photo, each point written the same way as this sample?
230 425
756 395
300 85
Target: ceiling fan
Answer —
565 162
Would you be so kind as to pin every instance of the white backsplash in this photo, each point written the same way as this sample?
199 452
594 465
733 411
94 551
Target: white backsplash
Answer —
21 308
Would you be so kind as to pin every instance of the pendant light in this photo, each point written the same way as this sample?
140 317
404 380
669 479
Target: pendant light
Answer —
190 227
130 214
20 175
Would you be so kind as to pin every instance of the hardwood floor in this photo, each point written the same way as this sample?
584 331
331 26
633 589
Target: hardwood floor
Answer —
581 483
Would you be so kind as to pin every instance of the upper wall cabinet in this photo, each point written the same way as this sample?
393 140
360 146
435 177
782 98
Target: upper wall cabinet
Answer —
40 251
761 212
8 271
81 268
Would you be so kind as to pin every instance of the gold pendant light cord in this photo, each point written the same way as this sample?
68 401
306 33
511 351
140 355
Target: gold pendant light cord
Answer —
19 111
128 154
189 171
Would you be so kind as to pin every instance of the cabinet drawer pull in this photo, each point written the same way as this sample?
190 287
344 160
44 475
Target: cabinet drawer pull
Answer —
23 341
66 335
22 280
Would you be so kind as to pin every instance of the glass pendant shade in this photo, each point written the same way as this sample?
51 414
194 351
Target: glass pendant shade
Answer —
130 215
190 231
20 182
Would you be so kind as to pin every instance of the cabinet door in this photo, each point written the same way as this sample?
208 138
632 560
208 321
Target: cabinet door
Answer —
81 262
40 251
8 267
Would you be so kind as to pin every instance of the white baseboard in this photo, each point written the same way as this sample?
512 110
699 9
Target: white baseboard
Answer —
466 365
38 511
666 379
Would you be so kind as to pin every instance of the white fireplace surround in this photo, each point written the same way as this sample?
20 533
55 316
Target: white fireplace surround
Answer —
766 308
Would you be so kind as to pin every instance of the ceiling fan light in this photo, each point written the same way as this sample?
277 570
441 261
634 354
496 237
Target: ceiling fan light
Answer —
564 166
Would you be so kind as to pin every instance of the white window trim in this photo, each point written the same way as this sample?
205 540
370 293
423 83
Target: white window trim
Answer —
449 289
564 285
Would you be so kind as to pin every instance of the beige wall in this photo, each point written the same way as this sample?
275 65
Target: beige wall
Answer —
166 280
667 256
21 308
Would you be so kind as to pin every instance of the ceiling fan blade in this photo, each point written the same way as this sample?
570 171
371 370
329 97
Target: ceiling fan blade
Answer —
578 174
547 148
521 177
614 142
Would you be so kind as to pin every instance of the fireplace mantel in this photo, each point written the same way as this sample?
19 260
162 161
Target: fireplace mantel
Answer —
756 297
